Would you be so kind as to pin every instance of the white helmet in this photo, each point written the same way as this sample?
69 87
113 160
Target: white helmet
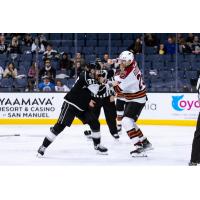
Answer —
126 56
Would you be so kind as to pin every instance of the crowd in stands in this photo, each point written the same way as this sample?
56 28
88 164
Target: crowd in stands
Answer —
51 62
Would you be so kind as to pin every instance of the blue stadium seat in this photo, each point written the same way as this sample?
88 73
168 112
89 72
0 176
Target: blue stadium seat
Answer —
88 50
91 36
128 36
127 43
115 36
81 43
103 43
7 82
68 36
158 65
55 43
114 50
116 43
26 57
147 64
190 57
195 65
184 65
55 36
67 43
91 43
70 83
150 50
103 36
181 74
101 50
81 36
63 49
191 74
122 49
3 64
3 57
90 58
20 83
170 64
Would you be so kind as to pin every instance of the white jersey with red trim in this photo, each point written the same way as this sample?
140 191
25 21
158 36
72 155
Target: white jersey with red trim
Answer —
131 84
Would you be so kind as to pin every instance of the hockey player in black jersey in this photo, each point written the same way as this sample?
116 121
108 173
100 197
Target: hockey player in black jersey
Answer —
105 99
78 103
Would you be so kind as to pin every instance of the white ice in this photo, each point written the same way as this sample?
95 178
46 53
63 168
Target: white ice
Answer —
172 146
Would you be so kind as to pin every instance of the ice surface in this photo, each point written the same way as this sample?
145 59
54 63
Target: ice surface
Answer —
172 147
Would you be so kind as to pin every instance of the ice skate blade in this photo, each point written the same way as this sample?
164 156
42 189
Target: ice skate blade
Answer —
102 153
39 155
140 155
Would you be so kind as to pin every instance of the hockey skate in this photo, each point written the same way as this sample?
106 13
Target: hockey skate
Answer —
41 151
116 136
147 146
193 163
101 149
139 151
88 134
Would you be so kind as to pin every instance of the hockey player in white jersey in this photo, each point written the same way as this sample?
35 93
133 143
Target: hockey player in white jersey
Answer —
133 90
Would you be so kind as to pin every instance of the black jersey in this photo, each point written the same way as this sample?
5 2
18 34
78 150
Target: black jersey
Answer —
81 93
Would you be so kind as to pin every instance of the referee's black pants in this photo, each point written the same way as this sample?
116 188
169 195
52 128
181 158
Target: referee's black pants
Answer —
195 155
109 111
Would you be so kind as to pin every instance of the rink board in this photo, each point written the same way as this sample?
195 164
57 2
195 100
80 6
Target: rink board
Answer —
44 108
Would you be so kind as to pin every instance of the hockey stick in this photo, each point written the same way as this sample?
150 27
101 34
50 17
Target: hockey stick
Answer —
9 135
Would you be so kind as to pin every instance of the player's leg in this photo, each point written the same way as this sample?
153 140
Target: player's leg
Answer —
195 154
131 114
120 112
89 118
96 110
66 118
110 115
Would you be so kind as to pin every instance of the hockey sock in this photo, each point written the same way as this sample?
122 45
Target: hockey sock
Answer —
49 139
96 137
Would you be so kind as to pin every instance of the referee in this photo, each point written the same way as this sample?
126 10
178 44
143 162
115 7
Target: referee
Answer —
105 99
195 154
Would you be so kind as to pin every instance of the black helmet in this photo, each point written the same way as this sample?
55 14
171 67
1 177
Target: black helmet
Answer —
94 65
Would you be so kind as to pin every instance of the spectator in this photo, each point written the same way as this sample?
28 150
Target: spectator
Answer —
14 47
31 86
136 47
10 71
183 46
77 69
37 45
80 59
3 45
196 45
32 72
162 49
150 40
42 39
46 85
170 46
66 63
50 53
60 87
190 38
27 40
1 72
48 70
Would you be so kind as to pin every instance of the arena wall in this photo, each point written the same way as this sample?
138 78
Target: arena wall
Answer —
44 108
